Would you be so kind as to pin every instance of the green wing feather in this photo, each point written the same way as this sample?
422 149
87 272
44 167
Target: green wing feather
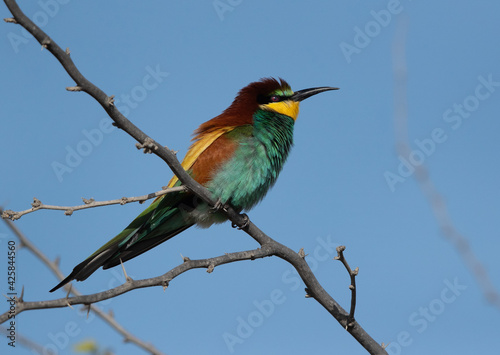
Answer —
163 219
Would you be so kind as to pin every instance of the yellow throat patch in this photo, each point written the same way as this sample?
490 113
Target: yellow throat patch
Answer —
287 107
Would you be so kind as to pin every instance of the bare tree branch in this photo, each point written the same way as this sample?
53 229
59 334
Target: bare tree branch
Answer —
129 285
90 203
435 199
268 245
28 343
352 286
53 266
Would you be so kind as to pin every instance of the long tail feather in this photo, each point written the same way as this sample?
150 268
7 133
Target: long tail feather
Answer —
163 219
86 268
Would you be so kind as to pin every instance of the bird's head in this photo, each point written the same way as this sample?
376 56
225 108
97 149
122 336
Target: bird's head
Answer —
277 96
265 94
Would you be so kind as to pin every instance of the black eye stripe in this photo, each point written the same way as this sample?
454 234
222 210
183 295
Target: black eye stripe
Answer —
263 99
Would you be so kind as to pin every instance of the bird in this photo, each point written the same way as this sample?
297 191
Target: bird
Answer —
236 155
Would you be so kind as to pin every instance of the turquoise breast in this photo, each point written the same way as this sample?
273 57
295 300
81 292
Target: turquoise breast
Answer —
257 161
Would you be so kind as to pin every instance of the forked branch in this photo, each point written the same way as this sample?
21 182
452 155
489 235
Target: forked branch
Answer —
129 285
24 242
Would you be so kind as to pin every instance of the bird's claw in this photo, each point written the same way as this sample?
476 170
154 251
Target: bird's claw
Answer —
246 222
218 206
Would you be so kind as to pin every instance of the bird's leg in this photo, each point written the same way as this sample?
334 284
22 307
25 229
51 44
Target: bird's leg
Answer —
219 206
246 222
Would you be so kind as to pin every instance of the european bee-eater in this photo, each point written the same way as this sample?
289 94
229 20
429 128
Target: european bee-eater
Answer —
237 156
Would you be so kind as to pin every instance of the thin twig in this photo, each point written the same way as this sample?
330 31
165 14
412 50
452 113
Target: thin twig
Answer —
90 203
352 286
242 221
435 199
108 318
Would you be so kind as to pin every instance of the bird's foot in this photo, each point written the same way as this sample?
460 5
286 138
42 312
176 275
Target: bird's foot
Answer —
246 222
219 206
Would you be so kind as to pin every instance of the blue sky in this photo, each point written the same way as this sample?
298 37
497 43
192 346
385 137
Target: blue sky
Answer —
174 65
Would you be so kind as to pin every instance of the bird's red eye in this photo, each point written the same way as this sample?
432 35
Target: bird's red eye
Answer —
275 98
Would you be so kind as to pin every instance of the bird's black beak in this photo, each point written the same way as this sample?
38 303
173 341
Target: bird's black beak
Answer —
304 94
